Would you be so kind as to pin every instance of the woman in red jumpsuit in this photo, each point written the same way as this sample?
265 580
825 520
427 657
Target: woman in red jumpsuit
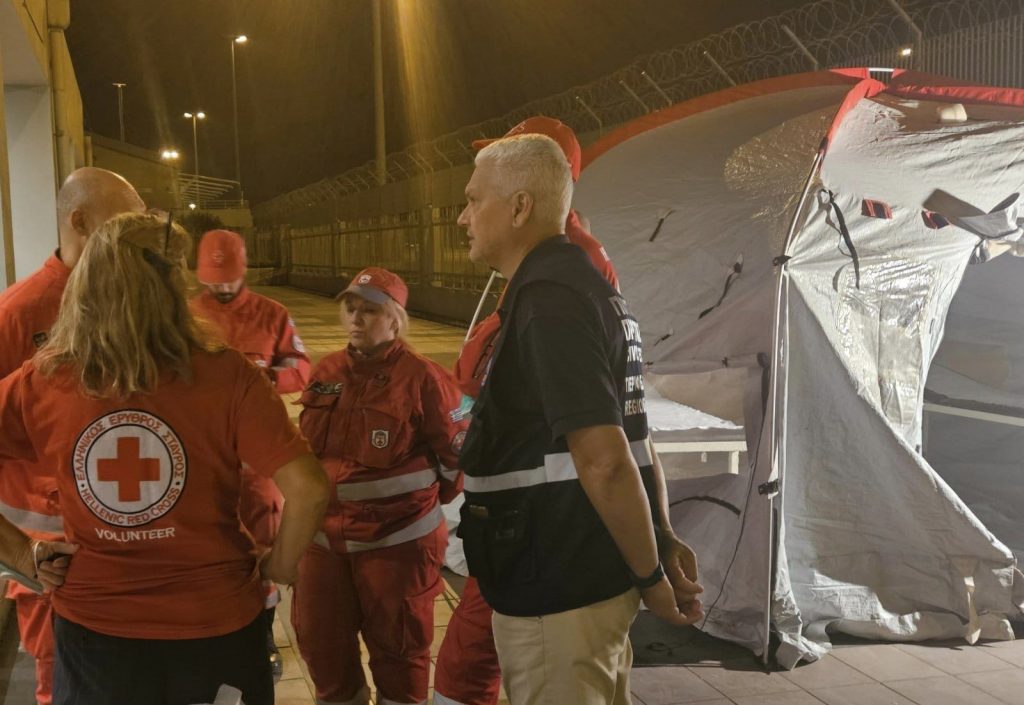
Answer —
386 425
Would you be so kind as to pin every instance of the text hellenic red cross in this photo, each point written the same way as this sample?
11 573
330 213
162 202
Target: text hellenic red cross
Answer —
128 470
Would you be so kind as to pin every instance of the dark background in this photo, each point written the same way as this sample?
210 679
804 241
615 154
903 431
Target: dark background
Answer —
305 78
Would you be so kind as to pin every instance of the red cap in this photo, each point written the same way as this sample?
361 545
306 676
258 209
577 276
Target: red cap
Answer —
556 130
221 258
378 285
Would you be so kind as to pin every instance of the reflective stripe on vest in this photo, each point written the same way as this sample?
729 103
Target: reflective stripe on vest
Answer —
32 521
387 487
557 467
448 473
418 529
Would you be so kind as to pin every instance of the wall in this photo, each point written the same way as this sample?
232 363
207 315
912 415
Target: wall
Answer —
155 180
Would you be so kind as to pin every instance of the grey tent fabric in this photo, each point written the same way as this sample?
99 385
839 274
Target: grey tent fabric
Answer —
837 310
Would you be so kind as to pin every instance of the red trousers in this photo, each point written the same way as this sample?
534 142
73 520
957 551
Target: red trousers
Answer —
35 626
387 595
467 670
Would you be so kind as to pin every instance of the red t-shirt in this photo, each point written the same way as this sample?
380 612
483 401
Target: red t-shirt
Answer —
262 330
149 488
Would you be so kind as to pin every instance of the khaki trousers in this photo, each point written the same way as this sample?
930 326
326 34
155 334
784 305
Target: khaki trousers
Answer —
579 657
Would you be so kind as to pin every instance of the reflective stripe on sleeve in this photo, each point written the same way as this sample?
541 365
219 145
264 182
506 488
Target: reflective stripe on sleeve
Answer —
448 473
32 521
557 467
387 487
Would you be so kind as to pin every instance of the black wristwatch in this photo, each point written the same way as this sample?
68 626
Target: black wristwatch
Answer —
642 583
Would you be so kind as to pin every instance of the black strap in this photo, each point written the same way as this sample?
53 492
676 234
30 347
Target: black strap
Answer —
846 235
737 269
661 221
707 498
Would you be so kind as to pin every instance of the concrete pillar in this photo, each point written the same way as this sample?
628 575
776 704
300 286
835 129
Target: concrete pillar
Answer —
33 179
7 274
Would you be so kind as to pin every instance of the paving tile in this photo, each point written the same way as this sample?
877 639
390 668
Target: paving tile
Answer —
797 698
943 690
293 692
1007 685
827 672
873 693
1009 651
954 659
884 662
740 678
292 669
670 685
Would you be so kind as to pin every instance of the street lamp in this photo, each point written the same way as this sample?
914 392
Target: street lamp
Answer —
169 155
240 39
194 117
906 51
120 106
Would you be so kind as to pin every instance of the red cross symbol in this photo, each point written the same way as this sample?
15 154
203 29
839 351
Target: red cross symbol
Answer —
128 470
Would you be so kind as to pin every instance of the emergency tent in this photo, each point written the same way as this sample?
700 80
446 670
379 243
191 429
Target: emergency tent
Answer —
794 245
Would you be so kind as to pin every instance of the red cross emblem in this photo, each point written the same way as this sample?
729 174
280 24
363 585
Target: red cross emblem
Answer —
128 470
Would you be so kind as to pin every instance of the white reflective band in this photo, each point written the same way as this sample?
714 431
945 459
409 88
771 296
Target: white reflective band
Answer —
558 467
448 473
418 529
385 701
440 699
360 698
32 521
387 487
320 539
286 363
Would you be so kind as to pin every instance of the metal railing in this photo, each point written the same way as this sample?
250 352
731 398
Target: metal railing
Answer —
209 192
976 40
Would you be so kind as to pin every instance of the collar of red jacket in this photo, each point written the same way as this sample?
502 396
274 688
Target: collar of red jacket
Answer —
362 364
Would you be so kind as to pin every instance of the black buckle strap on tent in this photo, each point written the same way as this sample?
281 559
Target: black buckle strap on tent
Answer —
737 269
663 338
661 221
781 260
845 232
768 487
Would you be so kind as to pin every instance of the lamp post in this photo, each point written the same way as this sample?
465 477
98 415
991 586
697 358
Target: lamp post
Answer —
380 160
240 39
120 106
195 117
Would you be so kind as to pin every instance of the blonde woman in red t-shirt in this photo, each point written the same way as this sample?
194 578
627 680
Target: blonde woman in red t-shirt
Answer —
146 422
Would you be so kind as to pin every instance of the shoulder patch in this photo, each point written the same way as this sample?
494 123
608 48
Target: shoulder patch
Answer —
325 387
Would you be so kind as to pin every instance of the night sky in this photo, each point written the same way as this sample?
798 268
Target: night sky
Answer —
305 78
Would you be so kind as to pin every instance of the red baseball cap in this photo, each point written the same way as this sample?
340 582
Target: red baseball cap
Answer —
556 130
378 285
221 257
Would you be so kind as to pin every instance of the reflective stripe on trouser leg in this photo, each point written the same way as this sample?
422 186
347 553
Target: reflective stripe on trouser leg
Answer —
360 698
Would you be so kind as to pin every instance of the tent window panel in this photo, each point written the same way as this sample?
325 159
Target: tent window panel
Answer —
882 326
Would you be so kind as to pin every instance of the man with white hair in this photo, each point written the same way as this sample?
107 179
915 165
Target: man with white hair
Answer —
558 523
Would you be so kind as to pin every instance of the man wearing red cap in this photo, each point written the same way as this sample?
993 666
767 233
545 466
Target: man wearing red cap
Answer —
386 425
260 328
28 309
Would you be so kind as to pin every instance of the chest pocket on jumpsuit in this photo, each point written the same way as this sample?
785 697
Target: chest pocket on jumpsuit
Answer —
259 349
382 431
318 412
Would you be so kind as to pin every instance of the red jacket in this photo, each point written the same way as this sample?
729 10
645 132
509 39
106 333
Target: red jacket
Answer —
476 353
28 309
388 432
261 329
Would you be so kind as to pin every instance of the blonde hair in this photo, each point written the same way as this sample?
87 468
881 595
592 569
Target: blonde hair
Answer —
124 318
537 165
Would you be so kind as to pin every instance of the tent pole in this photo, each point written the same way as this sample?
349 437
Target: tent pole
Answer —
480 305
778 415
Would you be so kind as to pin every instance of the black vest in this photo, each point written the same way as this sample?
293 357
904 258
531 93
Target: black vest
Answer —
532 537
